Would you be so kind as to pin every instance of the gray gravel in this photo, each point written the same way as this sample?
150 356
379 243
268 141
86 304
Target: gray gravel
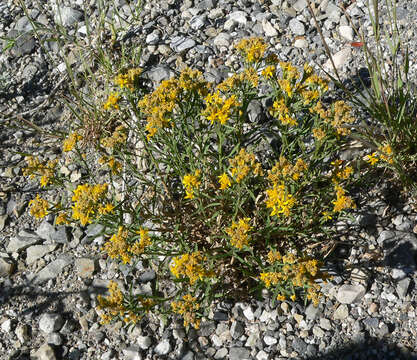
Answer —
50 277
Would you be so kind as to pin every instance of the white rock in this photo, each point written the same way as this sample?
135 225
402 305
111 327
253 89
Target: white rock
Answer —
163 347
6 326
35 252
296 27
341 313
339 59
348 294
301 43
270 340
22 333
131 353
346 32
249 313
223 39
45 352
261 355
50 323
268 28
238 17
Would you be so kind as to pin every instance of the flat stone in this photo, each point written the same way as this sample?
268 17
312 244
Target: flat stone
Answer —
153 38
248 312
222 39
300 5
52 270
402 287
7 266
311 311
49 323
45 230
341 313
84 267
239 353
197 22
268 28
318 332
348 294
3 219
144 342
20 243
132 353
24 44
262 355
36 252
180 44
325 324
163 347
45 352
346 32
297 27
339 59
7 325
385 236
221 353
94 230
159 73
238 17
54 338
301 43
237 329
299 345
270 340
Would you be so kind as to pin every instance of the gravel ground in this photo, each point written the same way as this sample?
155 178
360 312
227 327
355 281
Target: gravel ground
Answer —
50 276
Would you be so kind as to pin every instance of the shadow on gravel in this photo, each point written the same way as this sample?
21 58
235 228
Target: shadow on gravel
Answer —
370 349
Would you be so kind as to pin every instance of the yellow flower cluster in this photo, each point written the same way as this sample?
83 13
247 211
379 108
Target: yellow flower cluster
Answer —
341 117
118 137
118 247
252 49
339 172
112 101
158 106
190 266
191 182
295 272
269 72
46 170
238 233
319 134
187 307
342 201
113 305
237 81
219 109
283 170
114 165
128 79
242 164
90 202
281 111
317 82
289 71
279 200
224 181
385 154
71 141
38 207
62 218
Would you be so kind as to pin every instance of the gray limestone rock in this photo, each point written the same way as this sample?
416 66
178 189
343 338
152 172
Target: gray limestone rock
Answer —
297 27
20 243
49 323
52 270
35 252
163 347
67 16
348 294
239 353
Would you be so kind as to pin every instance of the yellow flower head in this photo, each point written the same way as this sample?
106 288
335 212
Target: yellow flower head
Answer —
112 101
252 49
191 182
224 181
38 207
187 307
190 266
71 141
238 233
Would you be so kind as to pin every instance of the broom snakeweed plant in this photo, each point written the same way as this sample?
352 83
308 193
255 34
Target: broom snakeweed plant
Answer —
179 189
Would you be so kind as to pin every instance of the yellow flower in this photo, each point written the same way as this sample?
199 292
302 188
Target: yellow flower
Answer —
224 181
187 308
238 233
62 218
44 169
190 266
112 101
268 72
342 201
242 164
118 138
219 109
386 153
88 200
70 141
38 207
252 49
128 80
280 110
372 158
279 200
191 182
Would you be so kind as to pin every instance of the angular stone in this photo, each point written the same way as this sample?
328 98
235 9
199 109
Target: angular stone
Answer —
52 270
45 352
299 345
237 329
248 312
20 243
180 44
45 230
36 252
54 338
262 355
325 324
239 353
22 333
311 311
67 16
341 313
7 266
94 230
402 287
163 347
346 32
238 17
318 332
223 39
348 294
300 5
84 267
268 28
339 59
220 354
50 323
270 340
297 27
144 342
132 353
